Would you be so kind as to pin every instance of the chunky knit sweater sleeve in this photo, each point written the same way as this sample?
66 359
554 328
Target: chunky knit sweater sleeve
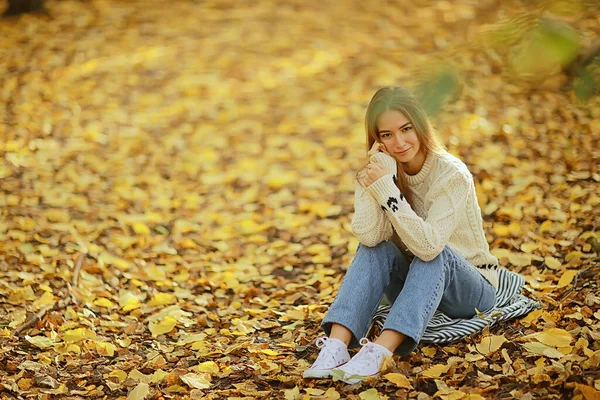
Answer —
425 238
369 224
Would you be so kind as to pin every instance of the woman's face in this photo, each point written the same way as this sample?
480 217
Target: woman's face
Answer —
398 135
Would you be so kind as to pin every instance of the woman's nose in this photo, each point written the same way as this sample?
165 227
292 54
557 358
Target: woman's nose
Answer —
399 142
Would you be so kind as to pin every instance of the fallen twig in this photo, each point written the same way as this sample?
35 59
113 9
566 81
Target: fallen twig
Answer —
78 265
59 304
40 314
582 272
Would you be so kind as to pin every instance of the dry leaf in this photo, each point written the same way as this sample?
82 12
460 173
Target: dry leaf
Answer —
197 381
105 348
292 394
166 325
542 349
332 394
589 393
566 278
552 262
207 366
490 344
75 335
204 189
42 342
435 371
369 394
140 392
399 380
555 337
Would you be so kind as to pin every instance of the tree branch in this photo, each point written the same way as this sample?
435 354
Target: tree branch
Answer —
59 304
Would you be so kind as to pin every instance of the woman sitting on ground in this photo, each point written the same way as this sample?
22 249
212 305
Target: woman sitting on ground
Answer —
422 243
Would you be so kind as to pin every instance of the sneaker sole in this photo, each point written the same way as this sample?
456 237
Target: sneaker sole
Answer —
353 381
317 373
320 373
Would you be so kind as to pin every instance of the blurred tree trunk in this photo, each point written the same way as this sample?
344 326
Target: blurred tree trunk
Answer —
14 7
584 72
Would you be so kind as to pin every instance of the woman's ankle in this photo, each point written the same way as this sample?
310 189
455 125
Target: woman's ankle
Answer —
390 339
340 333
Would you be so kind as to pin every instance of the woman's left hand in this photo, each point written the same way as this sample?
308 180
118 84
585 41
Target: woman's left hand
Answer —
375 170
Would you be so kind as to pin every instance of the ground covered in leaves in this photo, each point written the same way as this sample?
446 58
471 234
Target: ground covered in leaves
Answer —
177 190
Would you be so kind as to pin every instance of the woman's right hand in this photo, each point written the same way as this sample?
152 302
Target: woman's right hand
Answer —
389 162
375 170
376 148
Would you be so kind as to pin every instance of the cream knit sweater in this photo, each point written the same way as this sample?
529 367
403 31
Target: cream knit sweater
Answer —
446 212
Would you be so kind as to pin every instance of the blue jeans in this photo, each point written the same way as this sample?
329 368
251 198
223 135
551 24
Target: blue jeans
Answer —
415 290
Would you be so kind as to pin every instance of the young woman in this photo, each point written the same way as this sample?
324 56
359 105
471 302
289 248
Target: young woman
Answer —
422 243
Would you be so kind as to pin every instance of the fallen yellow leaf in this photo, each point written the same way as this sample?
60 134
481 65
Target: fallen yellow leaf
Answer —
292 394
141 229
572 255
269 352
75 335
119 374
332 394
42 342
370 394
104 302
435 371
542 349
555 337
207 366
399 380
140 392
529 247
566 278
588 392
552 262
105 348
490 344
159 328
429 351
161 299
196 381
531 317
44 300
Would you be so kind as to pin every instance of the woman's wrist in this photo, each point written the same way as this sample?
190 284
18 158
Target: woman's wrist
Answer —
384 188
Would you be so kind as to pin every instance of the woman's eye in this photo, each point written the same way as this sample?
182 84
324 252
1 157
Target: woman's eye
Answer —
408 128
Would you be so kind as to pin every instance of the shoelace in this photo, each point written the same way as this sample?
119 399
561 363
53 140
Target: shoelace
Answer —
363 342
320 342
367 350
323 357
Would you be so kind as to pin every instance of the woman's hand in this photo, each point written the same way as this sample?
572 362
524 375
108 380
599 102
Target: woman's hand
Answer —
377 147
375 170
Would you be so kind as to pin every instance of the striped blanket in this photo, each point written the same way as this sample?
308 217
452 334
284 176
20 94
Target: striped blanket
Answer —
510 303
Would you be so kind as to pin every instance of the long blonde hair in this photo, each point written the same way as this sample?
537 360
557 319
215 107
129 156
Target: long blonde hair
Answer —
400 99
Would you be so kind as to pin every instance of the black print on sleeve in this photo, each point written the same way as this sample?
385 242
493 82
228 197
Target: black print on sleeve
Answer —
392 203
395 179
383 208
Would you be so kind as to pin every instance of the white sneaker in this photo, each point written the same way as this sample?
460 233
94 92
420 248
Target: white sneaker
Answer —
367 362
333 353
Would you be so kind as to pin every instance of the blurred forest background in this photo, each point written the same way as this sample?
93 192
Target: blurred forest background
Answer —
177 187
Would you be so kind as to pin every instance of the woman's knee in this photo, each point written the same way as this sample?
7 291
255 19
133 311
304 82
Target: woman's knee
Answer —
439 259
488 297
385 247
383 254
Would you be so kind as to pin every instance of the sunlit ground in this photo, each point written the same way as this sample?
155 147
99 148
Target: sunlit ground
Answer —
202 156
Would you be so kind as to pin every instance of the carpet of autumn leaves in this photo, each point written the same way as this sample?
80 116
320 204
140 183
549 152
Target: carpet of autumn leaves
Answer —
177 187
